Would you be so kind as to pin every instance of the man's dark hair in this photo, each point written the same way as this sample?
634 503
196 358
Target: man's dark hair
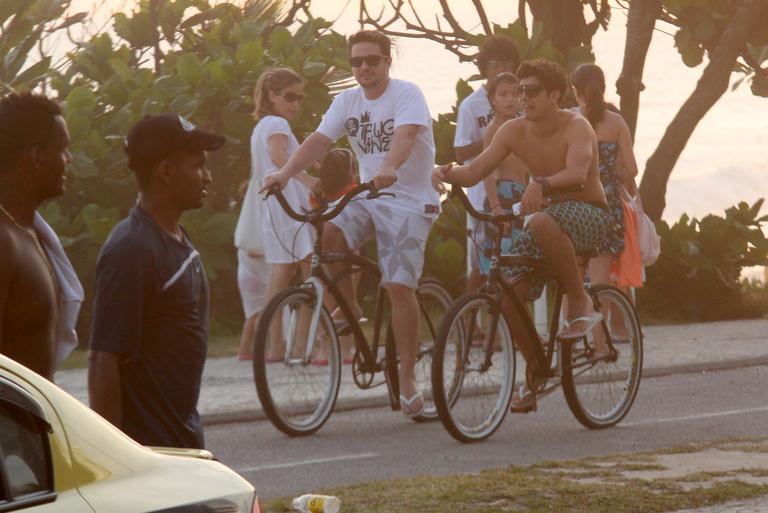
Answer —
549 73
372 36
497 48
26 121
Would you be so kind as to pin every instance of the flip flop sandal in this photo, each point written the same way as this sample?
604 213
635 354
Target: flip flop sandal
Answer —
592 320
524 401
408 402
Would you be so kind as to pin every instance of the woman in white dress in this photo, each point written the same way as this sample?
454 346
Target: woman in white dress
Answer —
285 243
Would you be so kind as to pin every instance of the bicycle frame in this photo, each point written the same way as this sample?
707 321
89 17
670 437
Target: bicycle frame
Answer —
499 289
320 281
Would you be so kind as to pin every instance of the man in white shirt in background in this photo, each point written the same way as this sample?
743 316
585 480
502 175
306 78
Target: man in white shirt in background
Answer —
388 125
498 54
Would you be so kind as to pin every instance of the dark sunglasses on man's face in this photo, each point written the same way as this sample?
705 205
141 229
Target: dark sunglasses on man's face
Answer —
292 97
529 90
370 60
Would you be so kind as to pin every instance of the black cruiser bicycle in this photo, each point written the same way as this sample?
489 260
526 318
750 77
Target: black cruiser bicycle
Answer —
297 365
474 363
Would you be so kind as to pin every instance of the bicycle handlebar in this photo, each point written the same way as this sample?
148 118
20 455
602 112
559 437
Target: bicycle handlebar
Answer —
320 215
458 192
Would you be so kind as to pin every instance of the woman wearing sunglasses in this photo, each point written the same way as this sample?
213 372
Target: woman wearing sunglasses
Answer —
265 234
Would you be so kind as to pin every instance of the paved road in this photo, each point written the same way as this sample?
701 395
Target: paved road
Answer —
228 392
370 444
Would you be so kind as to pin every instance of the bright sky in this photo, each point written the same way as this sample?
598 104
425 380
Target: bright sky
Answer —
724 161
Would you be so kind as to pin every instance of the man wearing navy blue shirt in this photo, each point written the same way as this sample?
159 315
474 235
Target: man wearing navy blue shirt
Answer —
150 326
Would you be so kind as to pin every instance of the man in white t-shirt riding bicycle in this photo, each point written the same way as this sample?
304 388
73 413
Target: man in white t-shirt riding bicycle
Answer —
388 125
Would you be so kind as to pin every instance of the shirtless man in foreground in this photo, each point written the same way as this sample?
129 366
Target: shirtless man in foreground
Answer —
33 157
560 149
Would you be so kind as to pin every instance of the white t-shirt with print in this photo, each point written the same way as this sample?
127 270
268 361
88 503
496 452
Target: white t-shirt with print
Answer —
475 114
370 127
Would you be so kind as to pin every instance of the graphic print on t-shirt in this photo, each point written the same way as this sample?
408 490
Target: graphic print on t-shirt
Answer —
370 137
482 121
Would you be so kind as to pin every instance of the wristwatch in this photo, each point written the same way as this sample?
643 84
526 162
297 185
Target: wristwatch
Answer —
545 187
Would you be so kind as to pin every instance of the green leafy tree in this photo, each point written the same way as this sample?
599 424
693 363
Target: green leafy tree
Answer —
27 30
198 60
697 276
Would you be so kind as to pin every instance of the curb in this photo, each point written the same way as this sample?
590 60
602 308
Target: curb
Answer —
378 401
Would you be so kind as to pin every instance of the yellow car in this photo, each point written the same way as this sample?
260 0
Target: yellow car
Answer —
56 455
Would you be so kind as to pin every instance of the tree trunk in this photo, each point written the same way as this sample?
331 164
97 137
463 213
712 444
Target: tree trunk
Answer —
641 19
563 20
710 87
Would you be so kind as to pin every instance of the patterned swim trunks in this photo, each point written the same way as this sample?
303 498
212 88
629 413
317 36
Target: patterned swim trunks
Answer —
584 223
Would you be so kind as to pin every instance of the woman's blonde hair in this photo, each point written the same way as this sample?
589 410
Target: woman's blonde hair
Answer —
274 80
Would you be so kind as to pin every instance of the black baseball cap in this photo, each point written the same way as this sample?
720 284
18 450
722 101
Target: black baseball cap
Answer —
156 136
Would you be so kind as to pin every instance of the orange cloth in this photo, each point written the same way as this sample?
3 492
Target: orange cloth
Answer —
341 192
628 268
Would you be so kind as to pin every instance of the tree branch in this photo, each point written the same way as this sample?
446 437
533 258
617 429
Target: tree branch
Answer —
290 16
752 63
453 40
483 17
451 19
521 15
641 20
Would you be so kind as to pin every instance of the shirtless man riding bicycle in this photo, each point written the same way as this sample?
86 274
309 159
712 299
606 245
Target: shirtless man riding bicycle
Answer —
559 148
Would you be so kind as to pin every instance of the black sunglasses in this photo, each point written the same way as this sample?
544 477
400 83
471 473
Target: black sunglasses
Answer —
529 90
370 60
292 97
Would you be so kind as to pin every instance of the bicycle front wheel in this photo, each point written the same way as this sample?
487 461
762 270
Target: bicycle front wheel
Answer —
473 368
600 391
297 387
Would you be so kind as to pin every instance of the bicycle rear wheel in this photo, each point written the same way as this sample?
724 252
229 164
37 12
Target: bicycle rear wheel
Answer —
601 391
297 393
434 302
472 393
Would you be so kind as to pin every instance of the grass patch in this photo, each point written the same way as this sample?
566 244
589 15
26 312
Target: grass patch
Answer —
591 485
699 477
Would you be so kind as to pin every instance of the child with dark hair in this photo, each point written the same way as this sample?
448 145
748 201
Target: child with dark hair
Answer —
338 175
506 185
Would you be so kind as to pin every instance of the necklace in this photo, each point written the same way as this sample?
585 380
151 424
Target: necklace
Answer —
31 232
